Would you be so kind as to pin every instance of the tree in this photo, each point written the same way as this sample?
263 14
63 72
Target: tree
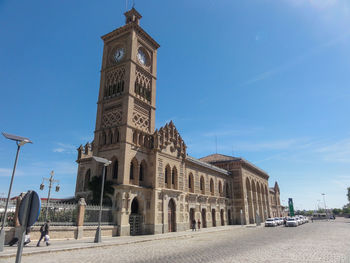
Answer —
336 211
348 194
95 187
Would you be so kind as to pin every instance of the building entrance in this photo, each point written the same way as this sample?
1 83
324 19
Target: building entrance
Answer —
213 217
171 216
204 218
191 216
135 219
222 217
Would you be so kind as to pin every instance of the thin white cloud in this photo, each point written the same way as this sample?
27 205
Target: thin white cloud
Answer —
342 181
284 144
65 148
232 132
336 152
7 172
319 4
296 61
88 138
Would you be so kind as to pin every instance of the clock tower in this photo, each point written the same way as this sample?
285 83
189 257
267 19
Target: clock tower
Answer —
126 104
125 123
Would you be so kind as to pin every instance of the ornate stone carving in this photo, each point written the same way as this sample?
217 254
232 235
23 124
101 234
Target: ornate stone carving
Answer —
143 87
112 118
141 121
114 84
169 135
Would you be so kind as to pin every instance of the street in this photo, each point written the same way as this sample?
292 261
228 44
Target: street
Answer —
321 241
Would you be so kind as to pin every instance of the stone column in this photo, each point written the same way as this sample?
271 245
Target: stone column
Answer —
80 218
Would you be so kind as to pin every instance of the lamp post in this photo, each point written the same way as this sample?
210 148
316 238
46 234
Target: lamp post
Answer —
324 201
51 182
20 141
105 163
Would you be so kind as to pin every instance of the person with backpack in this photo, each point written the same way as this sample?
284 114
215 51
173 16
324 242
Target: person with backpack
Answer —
44 233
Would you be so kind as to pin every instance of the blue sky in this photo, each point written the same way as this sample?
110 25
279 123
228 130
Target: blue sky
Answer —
269 79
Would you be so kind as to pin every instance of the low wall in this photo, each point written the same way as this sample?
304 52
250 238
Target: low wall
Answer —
63 232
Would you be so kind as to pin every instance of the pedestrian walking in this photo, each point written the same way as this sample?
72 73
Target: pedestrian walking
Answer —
199 224
44 233
193 225
27 236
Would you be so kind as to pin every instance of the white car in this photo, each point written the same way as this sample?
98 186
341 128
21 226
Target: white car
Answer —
300 222
270 222
278 221
292 222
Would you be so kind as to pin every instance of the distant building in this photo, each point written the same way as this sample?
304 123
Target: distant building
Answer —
158 187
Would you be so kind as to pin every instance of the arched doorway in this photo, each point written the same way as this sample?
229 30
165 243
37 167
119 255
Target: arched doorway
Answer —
222 217
171 216
135 218
229 217
213 217
204 218
191 216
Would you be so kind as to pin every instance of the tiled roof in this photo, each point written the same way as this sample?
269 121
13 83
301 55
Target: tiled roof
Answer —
217 158
205 164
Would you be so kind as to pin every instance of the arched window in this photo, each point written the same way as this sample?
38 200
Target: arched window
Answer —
131 171
142 171
220 188
115 169
190 183
227 191
212 186
134 137
103 138
87 180
202 186
117 135
140 139
167 176
173 176
111 138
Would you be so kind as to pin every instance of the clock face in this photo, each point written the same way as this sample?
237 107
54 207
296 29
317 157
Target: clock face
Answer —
119 54
141 56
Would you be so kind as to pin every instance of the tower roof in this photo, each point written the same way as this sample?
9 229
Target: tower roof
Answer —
132 16
131 23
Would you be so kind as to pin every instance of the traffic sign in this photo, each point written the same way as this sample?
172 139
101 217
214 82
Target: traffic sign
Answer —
29 209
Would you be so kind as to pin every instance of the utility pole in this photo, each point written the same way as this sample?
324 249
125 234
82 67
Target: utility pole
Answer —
51 182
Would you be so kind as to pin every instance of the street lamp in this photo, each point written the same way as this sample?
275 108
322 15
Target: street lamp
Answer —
105 163
20 141
51 182
324 201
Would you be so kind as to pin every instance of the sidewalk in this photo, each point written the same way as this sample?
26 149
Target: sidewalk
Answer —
72 244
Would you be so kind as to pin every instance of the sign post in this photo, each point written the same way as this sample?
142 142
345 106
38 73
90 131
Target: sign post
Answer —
291 207
28 214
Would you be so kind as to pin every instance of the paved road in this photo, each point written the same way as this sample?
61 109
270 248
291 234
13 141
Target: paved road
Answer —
312 242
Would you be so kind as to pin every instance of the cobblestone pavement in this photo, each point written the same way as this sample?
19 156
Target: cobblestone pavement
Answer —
325 241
